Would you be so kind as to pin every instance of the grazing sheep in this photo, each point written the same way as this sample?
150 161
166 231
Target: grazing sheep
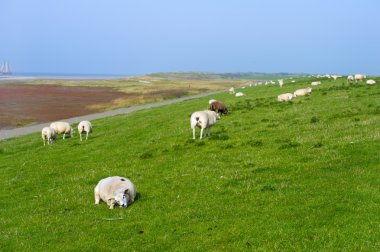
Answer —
231 90
62 128
350 78
371 82
203 120
49 134
302 92
281 82
84 127
218 106
285 97
316 83
239 94
115 191
360 77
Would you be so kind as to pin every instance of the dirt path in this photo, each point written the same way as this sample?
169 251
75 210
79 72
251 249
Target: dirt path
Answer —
5 134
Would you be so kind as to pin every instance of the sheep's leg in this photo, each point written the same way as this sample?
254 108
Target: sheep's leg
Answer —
43 139
86 135
201 133
63 136
80 136
97 196
194 133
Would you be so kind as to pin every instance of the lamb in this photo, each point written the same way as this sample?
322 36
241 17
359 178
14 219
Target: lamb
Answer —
302 92
49 134
231 90
316 83
218 107
360 77
115 191
239 94
204 120
62 128
281 82
371 82
350 78
285 97
84 127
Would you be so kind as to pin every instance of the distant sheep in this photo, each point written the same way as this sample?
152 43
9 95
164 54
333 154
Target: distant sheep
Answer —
281 82
316 83
231 90
203 120
218 107
302 92
115 191
62 128
360 77
239 94
350 78
285 97
371 82
84 127
49 134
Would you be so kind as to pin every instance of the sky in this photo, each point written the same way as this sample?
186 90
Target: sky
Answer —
125 37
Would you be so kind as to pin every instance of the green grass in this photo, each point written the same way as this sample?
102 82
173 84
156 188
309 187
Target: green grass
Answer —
302 175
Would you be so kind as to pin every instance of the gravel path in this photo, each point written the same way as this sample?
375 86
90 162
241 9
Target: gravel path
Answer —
5 134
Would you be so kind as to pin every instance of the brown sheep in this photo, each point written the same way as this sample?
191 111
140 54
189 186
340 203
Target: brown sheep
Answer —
218 106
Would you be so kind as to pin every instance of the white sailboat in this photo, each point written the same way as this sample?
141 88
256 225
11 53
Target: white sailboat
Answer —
5 70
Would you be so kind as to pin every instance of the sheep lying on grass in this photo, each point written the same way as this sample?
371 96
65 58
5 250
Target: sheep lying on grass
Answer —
203 120
316 83
84 127
239 94
218 106
115 191
285 97
62 128
302 92
49 134
371 82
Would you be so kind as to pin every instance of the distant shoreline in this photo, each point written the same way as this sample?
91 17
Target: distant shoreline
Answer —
32 77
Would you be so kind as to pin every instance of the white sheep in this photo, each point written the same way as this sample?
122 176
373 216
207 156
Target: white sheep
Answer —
115 191
350 78
285 97
231 90
281 82
49 134
360 77
302 92
204 120
316 83
239 94
211 101
62 128
371 82
84 127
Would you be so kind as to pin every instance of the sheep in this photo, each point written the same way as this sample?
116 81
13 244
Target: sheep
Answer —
115 191
84 127
218 106
360 77
371 82
302 92
204 120
316 83
285 97
62 128
350 78
49 134
239 94
281 82
231 90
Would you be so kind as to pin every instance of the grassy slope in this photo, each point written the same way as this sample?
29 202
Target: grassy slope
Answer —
296 176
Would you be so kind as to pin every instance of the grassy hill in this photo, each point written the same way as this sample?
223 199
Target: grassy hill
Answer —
302 175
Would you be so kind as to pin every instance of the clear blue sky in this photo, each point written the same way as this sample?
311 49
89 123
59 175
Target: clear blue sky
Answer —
145 36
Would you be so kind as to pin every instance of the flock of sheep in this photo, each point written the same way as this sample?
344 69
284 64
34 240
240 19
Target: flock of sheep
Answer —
49 134
121 191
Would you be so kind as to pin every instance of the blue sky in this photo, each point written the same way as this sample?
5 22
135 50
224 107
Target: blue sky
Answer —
145 36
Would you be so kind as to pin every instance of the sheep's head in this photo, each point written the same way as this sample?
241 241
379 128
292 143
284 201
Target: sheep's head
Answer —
121 199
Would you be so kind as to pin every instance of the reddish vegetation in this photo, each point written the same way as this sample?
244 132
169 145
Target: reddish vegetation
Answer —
24 104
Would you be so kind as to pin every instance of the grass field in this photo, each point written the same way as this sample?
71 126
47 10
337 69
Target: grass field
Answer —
302 175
